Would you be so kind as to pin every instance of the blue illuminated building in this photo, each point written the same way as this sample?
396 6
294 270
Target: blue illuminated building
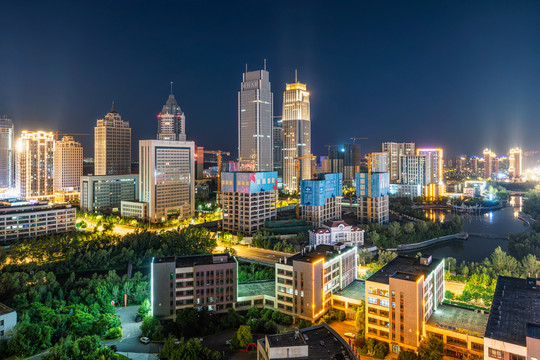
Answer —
380 184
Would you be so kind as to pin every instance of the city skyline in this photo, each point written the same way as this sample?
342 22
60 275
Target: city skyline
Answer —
478 87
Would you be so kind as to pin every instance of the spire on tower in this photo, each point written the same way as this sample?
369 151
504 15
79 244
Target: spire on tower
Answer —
112 108
295 75
171 87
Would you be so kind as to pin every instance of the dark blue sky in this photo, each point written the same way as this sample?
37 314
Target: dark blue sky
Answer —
457 74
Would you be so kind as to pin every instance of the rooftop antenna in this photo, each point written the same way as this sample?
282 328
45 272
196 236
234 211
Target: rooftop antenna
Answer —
171 87
295 75
246 67
264 64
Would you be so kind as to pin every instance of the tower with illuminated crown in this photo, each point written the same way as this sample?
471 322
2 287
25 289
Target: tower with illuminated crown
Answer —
171 121
112 145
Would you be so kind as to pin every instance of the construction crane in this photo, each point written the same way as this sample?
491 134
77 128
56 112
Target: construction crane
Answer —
329 147
297 165
218 153
57 134
355 138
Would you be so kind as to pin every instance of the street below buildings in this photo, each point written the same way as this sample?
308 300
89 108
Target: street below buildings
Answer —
255 254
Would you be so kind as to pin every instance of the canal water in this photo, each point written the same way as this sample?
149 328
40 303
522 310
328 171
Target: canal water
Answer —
498 223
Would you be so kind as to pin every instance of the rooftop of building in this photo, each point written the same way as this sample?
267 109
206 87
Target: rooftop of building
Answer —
459 319
4 309
267 287
328 252
322 342
29 207
514 311
193 260
355 290
403 266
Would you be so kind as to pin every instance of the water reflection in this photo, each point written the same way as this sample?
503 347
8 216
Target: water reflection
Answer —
517 203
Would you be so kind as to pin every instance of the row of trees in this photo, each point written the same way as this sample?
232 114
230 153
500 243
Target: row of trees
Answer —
266 240
255 272
412 232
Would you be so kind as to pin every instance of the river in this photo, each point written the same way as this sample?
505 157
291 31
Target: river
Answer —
499 223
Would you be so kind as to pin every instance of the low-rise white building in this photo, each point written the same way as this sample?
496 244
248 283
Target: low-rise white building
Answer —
134 209
333 232
8 320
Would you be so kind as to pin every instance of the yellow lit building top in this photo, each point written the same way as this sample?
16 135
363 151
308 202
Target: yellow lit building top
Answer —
296 86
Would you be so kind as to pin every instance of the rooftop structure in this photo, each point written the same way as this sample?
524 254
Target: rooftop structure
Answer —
112 145
171 121
335 231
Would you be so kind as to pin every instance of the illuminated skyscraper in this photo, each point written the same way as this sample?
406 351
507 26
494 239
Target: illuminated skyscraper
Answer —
278 147
414 170
35 152
112 145
515 162
6 153
474 163
435 159
68 164
395 150
255 112
490 163
296 134
171 121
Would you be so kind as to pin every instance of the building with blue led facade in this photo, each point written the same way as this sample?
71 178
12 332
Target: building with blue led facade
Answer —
248 199
372 193
320 199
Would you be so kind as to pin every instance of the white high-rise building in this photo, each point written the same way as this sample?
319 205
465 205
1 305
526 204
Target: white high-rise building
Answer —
434 157
395 150
255 112
414 170
112 145
6 153
379 162
34 165
167 178
68 164
171 121
296 134
515 168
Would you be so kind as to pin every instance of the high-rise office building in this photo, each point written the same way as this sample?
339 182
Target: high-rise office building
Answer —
490 164
461 163
34 165
515 167
320 199
395 150
112 145
199 160
68 164
171 121
6 153
414 169
278 147
372 194
296 134
167 178
255 113
434 157
105 193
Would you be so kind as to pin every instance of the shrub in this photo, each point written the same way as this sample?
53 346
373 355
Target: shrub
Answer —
407 355
114 333
304 324
381 350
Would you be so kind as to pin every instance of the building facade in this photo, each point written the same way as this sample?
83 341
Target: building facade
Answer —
320 199
167 178
134 209
379 162
22 220
112 145
490 164
394 151
255 125
34 165
305 281
105 193
372 195
434 159
278 147
248 200
296 123
8 320
196 281
68 164
171 121
333 232
515 167
7 154
414 170
405 190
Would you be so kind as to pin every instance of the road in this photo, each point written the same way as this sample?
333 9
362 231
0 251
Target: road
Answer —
256 254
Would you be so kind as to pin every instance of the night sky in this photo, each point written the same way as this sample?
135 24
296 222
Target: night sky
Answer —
459 74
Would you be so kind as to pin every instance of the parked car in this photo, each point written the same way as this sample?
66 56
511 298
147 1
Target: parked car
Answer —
138 318
144 340
228 342
350 335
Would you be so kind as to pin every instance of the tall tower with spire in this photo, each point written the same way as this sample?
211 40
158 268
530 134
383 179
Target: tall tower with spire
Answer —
112 145
171 120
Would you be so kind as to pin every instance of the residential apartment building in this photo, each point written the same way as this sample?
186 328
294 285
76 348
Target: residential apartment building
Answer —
405 190
491 165
513 328
248 200
171 121
395 150
8 320
434 159
372 195
400 298
255 125
105 193
25 219
332 232
196 281
515 163
7 154
277 133
320 199
414 170
296 124
379 162
167 178
112 145
68 164
34 165
305 281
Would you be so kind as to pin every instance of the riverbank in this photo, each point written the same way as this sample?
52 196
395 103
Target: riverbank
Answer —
427 243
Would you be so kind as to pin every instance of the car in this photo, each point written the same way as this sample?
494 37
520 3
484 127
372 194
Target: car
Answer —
114 348
350 335
138 318
144 340
228 342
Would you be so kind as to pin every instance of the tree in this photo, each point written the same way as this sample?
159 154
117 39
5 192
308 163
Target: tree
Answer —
450 263
302 324
407 355
183 349
431 348
360 320
530 265
151 327
394 229
241 338
381 350
144 309
365 256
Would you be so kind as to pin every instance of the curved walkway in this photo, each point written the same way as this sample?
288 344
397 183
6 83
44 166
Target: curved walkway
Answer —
426 243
